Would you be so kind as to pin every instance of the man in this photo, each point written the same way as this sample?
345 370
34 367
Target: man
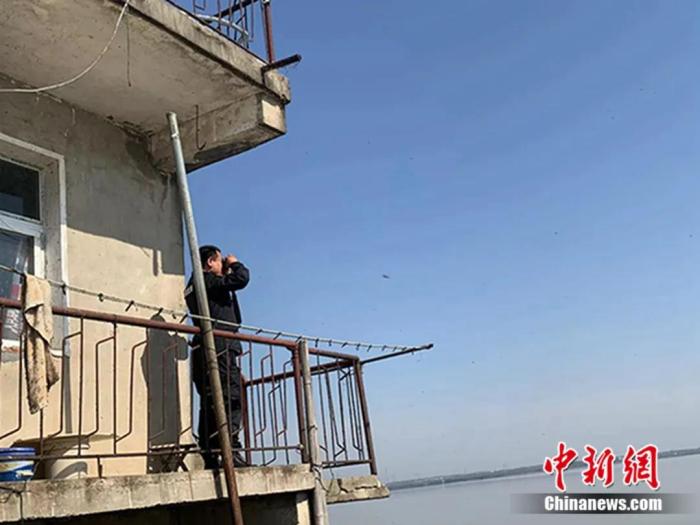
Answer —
223 276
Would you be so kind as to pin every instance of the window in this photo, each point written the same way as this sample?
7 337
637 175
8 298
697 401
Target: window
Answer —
19 190
32 227
16 251
21 234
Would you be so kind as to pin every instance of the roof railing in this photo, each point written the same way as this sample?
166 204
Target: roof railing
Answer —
246 22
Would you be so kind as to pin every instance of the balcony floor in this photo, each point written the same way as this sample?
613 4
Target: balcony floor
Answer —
54 499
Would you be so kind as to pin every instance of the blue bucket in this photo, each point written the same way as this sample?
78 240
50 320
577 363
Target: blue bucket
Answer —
12 467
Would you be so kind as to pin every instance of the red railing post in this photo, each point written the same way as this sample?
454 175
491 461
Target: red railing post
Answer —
269 41
245 415
365 417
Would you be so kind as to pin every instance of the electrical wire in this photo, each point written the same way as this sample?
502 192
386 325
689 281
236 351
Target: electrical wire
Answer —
84 71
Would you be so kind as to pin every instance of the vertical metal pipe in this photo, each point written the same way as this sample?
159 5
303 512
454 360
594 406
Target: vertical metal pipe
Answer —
114 393
342 413
2 329
299 397
205 324
365 417
81 385
319 497
245 416
267 20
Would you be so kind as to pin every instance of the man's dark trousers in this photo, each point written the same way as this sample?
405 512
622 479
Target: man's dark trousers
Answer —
230 375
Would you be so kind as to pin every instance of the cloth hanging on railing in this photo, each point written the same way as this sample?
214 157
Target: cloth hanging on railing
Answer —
42 373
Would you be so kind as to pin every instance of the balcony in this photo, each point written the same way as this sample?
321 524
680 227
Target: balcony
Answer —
198 64
122 413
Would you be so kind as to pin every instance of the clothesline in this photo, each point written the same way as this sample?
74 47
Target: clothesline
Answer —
182 315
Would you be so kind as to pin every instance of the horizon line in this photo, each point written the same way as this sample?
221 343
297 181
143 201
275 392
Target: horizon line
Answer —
509 472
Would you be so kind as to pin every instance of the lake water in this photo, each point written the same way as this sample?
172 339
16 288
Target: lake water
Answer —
488 502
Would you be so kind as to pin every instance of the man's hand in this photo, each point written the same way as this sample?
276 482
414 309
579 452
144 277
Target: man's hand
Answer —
230 260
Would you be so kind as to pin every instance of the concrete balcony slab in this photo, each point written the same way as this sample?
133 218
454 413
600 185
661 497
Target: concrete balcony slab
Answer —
48 499
162 59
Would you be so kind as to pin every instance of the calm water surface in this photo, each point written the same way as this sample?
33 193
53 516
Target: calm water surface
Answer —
484 503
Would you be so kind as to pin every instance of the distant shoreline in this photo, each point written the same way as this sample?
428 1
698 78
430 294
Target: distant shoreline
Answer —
508 473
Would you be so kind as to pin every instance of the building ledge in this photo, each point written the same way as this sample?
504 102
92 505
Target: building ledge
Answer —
48 499
162 60
53 499
358 488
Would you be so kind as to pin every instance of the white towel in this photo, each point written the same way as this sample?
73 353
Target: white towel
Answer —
41 371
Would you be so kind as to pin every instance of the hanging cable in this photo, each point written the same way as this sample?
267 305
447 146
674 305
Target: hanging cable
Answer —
83 72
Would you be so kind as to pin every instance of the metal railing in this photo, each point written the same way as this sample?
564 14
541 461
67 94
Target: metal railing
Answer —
124 401
246 22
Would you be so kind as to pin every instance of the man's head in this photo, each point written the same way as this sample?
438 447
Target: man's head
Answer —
211 258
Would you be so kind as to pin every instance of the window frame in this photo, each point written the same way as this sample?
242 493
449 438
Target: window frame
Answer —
28 228
49 233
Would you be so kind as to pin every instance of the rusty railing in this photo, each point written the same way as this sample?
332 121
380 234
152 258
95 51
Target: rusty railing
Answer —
246 22
125 402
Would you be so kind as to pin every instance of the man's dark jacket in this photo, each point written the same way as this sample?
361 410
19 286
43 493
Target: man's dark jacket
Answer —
223 304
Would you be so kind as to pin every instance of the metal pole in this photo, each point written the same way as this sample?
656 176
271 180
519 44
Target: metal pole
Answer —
269 43
299 396
410 351
205 324
245 417
294 59
319 497
365 417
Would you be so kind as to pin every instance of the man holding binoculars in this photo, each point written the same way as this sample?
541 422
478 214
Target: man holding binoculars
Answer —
223 276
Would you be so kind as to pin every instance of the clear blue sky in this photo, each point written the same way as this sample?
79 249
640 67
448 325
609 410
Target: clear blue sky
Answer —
527 175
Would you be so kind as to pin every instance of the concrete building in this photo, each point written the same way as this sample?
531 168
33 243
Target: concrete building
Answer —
87 198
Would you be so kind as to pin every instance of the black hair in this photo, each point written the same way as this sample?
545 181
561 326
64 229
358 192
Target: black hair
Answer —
206 252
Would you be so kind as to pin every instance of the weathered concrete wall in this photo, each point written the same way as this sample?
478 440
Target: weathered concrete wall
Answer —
169 61
123 237
264 489
279 491
280 509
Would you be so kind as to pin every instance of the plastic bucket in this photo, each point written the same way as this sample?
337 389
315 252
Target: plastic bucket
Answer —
66 462
12 467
